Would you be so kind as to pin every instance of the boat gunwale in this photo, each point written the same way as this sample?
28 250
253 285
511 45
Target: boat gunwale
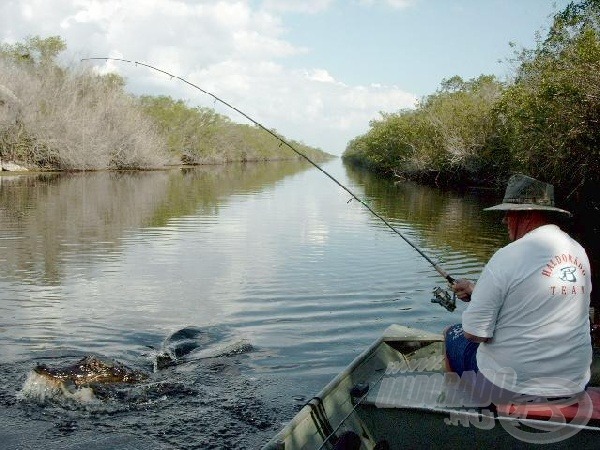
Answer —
390 334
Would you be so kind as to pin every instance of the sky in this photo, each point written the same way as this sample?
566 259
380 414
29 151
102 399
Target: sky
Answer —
317 71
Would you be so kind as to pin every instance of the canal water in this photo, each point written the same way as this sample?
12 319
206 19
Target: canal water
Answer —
284 278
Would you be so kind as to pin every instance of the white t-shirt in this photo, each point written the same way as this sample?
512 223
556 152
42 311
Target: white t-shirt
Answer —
533 300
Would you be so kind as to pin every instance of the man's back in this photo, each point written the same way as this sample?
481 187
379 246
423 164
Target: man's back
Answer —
532 299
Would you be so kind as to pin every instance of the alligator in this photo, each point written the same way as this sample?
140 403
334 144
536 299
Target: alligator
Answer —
91 370
190 343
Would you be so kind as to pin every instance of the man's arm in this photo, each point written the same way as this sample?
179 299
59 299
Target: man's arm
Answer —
463 289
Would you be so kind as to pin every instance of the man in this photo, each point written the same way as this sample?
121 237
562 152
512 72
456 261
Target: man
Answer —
526 328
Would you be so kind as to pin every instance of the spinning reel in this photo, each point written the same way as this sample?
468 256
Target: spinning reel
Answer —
443 298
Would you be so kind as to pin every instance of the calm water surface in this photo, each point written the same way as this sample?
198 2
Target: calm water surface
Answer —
269 255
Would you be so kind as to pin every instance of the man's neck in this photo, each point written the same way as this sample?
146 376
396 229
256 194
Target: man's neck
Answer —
529 222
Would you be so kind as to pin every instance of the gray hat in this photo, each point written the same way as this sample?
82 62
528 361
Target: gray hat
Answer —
524 193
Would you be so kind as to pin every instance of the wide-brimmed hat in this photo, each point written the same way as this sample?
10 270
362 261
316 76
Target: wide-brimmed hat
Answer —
524 193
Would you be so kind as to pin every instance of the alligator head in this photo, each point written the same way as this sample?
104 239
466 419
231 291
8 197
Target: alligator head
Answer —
91 370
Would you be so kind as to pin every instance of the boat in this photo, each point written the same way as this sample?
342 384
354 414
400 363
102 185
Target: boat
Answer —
397 394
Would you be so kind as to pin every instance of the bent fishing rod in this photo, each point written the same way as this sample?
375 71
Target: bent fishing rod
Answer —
281 140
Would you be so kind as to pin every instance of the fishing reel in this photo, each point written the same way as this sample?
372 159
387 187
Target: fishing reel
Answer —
443 298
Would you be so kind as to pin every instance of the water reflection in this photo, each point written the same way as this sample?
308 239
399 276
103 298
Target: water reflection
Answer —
261 246
446 221
49 217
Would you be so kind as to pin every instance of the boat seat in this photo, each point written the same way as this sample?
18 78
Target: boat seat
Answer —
424 389
568 409
429 390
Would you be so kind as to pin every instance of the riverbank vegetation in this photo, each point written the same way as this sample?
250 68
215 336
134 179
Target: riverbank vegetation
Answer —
72 118
543 122
201 136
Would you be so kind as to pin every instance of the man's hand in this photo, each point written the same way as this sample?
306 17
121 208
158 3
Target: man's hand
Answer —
463 289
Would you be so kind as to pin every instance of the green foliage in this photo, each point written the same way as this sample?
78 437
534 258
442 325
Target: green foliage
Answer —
447 132
190 132
544 122
384 146
549 117
202 136
112 80
34 50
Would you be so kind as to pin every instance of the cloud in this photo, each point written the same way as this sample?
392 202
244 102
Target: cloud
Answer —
320 75
396 4
302 6
229 47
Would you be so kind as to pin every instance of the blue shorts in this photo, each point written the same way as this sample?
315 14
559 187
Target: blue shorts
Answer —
460 352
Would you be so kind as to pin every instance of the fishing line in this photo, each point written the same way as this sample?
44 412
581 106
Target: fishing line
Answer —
441 271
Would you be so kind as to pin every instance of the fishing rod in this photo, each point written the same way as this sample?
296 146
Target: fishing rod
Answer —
440 298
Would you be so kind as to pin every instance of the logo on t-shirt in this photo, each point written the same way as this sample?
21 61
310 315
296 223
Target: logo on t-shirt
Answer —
567 269
568 274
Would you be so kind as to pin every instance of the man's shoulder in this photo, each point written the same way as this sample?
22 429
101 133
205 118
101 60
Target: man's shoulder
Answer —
520 249
542 243
551 234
